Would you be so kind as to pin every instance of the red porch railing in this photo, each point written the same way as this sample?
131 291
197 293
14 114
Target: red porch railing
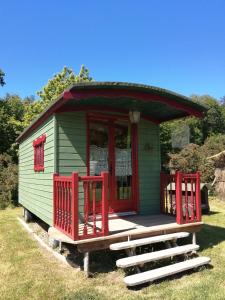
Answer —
180 196
75 201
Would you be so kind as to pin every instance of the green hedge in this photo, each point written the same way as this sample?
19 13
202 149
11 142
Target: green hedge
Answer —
8 182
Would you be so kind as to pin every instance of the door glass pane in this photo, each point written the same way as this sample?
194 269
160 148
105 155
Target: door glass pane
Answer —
123 171
99 140
98 148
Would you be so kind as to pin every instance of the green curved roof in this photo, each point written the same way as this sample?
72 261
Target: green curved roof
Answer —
136 87
162 105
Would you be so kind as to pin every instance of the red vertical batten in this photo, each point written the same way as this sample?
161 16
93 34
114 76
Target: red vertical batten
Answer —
94 206
86 206
179 208
192 202
198 198
55 200
74 206
112 161
105 208
88 145
186 200
135 177
162 192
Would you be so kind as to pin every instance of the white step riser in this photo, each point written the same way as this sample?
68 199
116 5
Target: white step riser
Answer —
159 273
148 241
153 256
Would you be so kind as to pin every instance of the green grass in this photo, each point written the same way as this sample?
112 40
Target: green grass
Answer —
29 272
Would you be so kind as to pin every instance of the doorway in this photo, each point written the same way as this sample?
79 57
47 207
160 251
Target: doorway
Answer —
112 147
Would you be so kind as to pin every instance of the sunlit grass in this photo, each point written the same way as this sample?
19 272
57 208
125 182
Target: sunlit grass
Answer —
29 272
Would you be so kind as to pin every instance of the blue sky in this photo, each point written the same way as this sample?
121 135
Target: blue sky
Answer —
178 45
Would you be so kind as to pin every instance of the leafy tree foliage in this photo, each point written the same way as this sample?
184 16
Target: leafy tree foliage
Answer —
2 75
193 157
200 129
15 115
11 122
60 82
8 181
53 89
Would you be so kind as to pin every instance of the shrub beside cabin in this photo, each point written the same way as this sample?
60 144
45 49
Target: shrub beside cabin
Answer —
89 165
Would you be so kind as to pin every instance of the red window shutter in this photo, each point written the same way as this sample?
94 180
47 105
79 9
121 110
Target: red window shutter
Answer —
38 146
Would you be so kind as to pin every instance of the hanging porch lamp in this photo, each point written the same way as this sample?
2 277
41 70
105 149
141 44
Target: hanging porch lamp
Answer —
134 116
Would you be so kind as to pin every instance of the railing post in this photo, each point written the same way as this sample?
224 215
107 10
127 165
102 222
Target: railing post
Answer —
179 206
105 205
54 199
162 196
75 206
198 198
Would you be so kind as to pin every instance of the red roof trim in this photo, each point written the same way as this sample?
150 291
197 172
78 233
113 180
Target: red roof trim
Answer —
79 95
110 93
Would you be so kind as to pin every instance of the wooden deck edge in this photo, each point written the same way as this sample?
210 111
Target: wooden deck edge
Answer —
100 243
92 245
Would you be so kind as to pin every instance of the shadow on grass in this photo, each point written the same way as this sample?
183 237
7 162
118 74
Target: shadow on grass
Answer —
212 213
210 235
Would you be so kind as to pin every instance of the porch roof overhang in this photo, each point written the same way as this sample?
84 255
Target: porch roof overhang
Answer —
155 104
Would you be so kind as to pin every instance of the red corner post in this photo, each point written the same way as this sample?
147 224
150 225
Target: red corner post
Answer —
105 204
162 204
198 198
75 206
179 208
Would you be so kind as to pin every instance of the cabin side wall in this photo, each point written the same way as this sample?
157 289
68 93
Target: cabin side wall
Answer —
149 166
71 145
36 188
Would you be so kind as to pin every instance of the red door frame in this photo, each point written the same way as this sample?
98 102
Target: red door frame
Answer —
106 119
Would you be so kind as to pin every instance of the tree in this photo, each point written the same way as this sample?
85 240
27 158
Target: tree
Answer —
214 121
2 75
8 181
193 157
53 89
200 129
11 121
60 82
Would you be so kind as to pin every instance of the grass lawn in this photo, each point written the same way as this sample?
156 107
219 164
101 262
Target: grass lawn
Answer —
29 272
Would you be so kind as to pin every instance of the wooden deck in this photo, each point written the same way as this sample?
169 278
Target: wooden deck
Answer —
130 227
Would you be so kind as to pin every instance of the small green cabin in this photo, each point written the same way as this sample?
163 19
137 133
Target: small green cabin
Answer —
94 154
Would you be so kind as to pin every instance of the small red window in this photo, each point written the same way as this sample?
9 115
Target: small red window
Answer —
38 145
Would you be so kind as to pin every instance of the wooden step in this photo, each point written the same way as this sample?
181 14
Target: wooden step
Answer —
152 275
150 240
153 256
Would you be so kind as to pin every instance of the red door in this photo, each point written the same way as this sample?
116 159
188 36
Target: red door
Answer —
110 149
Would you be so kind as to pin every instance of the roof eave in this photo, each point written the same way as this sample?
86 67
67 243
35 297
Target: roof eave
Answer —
73 90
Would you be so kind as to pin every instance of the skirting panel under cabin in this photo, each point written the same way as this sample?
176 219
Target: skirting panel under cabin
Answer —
36 187
71 145
149 167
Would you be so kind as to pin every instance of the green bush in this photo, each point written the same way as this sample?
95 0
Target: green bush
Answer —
193 158
8 182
